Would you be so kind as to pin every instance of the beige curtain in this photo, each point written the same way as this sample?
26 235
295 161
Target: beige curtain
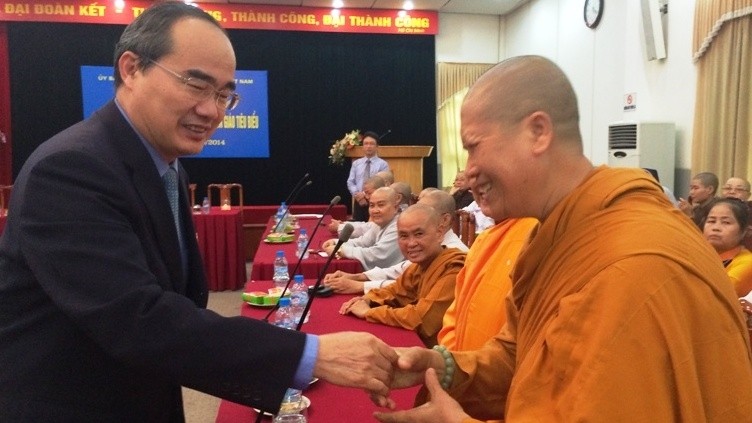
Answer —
453 81
723 116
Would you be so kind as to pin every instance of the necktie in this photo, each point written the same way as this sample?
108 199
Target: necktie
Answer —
367 173
170 179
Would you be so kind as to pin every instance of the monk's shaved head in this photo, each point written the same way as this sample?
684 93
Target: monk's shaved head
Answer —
517 87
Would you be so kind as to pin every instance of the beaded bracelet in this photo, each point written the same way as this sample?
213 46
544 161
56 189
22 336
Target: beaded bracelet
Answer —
449 366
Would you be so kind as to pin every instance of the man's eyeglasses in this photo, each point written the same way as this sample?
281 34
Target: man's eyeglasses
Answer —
201 90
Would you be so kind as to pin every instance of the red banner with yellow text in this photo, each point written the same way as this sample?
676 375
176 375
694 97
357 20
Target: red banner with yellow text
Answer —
235 16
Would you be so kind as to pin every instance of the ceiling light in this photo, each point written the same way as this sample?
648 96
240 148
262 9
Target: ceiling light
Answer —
408 5
337 4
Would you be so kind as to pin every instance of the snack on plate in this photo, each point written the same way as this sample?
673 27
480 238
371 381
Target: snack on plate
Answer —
255 297
280 237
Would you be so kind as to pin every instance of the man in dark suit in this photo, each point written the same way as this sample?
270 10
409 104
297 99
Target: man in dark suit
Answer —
102 289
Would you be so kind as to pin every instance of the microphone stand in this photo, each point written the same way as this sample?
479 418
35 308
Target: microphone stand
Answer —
344 236
289 205
297 186
332 203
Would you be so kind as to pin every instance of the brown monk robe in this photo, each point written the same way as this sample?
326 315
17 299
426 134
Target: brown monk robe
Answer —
650 358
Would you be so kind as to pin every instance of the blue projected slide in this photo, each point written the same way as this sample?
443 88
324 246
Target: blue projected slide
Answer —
244 133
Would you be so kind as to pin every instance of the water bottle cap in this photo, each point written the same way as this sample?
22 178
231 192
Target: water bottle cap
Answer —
284 301
303 231
280 253
298 278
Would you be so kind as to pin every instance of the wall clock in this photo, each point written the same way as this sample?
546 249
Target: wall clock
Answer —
592 12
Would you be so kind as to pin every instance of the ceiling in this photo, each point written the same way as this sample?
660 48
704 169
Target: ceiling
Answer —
482 7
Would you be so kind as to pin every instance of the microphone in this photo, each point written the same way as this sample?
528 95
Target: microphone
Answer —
388 131
332 203
343 237
297 186
289 205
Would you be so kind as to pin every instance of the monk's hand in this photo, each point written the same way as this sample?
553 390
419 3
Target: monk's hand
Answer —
345 308
343 285
334 226
441 408
359 308
355 359
410 371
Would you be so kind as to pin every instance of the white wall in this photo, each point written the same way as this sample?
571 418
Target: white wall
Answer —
603 64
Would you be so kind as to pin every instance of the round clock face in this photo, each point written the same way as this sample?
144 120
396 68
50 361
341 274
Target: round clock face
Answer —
593 12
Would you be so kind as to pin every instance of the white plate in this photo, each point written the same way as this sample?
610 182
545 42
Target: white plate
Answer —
308 216
306 404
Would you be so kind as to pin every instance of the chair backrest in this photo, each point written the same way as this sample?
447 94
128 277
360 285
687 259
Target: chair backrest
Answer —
466 222
4 198
225 194
192 190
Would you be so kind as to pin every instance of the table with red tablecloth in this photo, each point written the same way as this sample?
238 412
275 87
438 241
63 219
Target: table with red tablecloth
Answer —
220 239
263 261
329 403
256 217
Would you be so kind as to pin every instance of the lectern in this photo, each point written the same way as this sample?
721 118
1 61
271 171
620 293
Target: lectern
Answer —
405 161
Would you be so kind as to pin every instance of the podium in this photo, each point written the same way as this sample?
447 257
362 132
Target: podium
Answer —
405 161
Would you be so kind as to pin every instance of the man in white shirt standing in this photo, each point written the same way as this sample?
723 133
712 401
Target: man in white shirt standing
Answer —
361 170
378 246
379 277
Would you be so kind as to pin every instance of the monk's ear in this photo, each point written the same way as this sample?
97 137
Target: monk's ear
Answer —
539 127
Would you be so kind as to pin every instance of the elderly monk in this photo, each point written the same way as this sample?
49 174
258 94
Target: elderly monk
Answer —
608 318
421 295
378 246
359 228
378 277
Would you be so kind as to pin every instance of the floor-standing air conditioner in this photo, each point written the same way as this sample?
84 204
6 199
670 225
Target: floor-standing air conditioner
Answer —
648 145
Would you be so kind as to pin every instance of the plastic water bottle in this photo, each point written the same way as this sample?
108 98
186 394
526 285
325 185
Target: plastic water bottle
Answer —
283 315
283 318
302 244
298 298
281 271
205 206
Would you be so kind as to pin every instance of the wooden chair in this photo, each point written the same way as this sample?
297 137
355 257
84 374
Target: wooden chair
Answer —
192 191
4 198
466 225
226 194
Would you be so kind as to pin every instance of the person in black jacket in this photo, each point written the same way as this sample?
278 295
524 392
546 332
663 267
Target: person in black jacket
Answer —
102 288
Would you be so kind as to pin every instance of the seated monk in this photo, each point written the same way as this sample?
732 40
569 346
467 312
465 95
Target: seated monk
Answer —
421 295
378 277
377 247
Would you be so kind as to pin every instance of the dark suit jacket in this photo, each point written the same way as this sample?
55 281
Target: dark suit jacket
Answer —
97 322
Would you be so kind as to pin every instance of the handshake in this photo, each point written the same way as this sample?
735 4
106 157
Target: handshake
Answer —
361 360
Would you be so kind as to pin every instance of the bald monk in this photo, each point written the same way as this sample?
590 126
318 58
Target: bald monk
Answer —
608 318
422 293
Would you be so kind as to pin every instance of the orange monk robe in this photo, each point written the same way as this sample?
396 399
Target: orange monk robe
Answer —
739 269
419 298
620 311
477 312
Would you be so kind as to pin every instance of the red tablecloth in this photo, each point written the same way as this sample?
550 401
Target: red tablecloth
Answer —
220 239
329 403
263 261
